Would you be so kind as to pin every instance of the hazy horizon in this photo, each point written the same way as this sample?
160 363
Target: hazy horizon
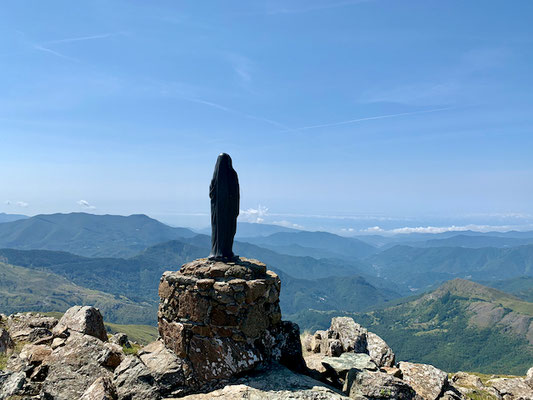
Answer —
353 225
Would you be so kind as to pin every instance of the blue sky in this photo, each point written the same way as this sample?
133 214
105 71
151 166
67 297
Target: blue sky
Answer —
378 110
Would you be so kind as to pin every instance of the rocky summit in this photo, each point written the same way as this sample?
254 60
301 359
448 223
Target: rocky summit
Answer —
221 337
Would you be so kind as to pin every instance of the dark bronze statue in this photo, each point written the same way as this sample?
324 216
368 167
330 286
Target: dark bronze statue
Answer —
224 194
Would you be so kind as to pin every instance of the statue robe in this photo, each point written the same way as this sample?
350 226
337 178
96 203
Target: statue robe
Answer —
224 194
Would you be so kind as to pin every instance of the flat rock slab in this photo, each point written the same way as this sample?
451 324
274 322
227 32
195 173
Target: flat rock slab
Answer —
277 383
376 385
347 361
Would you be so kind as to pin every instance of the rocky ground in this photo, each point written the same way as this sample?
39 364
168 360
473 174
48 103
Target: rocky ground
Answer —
73 358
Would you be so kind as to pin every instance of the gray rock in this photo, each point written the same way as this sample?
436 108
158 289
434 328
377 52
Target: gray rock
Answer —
364 384
347 361
112 355
165 367
6 343
101 389
275 383
11 383
134 381
379 350
121 339
352 336
466 380
73 367
529 377
428 381
316 341
512 388
29 327
87 320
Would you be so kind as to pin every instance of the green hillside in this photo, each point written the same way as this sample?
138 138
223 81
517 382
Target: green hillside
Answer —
460 326
353 293
137 278
23 289
88 234
423 267
329 243
521 287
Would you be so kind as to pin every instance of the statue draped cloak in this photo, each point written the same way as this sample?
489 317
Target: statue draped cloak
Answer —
224 194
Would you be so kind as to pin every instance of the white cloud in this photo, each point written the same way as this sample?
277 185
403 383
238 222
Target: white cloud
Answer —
85 204
373 229
454 228
22 204
254 214
288 224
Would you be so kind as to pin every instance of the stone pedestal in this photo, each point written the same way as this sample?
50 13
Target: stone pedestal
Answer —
223 318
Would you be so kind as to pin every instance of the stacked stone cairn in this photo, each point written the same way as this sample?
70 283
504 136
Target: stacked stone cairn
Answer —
223 319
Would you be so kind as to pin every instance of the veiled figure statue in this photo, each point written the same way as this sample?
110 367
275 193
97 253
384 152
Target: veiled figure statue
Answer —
224 194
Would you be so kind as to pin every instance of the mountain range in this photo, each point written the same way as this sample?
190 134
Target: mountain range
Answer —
88 234
51 262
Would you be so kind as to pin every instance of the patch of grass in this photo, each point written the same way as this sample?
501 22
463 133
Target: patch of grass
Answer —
142 334
55 314
133 350
480 395
486 377
3 361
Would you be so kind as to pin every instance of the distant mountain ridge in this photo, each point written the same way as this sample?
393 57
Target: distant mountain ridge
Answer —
252 229
11 217
88 234
422 267
331 244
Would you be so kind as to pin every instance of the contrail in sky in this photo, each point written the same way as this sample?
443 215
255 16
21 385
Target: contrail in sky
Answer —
352 121
236 112
83 38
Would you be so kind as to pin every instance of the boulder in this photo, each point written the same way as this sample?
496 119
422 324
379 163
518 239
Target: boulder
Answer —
379 350
35 354
121 339
73 367
86 320
372 385
112 355
529 377
465 379
339 366
316 342
30 327
6 343
11 383
133 381
274 383
512 388
101 389
394 371
429 382
352 336
345 335
167 369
